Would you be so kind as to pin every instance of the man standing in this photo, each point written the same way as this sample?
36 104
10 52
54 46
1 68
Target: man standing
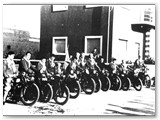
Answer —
9 73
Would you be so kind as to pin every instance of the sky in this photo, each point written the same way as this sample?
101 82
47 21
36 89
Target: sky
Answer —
22 17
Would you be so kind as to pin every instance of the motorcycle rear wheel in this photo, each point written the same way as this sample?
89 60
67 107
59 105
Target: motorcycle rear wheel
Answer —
47 93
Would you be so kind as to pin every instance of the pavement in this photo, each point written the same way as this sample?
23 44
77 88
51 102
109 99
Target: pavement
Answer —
124 103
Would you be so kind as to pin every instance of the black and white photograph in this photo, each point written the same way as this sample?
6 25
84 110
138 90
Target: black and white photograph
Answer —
79 59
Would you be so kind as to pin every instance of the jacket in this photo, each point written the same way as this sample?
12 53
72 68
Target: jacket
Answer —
26 66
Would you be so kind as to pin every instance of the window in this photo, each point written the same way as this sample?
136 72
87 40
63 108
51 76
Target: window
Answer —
56 8
59 45
122 49
92 42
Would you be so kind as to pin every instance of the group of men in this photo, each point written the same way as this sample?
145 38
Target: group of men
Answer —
48 66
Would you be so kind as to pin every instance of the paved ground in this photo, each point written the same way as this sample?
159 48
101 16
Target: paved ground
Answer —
130 102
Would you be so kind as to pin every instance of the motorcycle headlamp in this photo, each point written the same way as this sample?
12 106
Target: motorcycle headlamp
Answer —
32 79
44 79
18 80
94 71
87 71
72 72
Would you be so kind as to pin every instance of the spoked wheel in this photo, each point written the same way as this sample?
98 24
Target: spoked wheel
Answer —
106 84
116 84
88 86
147 81
98 84
30 94
46 93
61 95
74 88
137 84
126 83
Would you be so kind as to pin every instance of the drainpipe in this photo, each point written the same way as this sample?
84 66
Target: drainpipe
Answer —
107 59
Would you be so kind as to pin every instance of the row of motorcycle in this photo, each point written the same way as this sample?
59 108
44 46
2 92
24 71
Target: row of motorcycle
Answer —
29 89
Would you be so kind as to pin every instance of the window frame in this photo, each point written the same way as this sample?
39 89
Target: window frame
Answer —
85 46
53 44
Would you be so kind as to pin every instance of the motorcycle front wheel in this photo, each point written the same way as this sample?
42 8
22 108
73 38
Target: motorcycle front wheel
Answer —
106 84
116 83
126 84
98 84
138 84
147 81
88 86
30 94
74 88
61 95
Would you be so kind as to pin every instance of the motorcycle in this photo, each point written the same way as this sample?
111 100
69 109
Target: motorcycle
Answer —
87 83
106 83
116 82
73 84
46 91
135 80
94 75
145 78
61 93
114 78
24 89
126 83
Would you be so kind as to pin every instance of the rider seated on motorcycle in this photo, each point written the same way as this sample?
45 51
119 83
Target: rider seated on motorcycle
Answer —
50 63
81 67
42 69
71 68
92 64
58 69
122 67
138 64
25 66
113 66
9 73
82 62
78 59
101 63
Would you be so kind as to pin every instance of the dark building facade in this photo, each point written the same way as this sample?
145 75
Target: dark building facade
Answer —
75 23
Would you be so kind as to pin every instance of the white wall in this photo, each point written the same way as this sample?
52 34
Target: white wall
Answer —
152 44
123 18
